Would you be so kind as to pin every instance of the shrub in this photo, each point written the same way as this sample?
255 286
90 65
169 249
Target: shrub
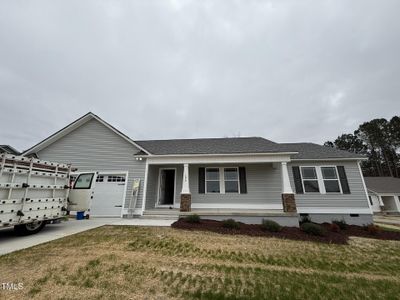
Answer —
305 219
271 226
371 228
341 223
334 227
192 218
314 229
230 223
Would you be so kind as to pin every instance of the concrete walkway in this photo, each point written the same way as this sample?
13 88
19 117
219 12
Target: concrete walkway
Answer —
9 242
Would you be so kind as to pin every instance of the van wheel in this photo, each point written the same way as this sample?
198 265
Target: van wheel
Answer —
30 228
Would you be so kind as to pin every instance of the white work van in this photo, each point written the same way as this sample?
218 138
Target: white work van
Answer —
35 192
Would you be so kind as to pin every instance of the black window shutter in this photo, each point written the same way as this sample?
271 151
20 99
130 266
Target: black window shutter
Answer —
202 180
242 180
343 180
297 180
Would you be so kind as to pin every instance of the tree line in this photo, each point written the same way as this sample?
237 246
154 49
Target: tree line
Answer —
379 140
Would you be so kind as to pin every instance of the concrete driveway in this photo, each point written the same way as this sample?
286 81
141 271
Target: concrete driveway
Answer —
9 242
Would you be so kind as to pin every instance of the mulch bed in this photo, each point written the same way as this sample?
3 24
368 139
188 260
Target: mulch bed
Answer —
291 233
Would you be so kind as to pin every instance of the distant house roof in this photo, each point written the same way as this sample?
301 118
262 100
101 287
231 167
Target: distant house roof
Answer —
382 185
243 145
8 149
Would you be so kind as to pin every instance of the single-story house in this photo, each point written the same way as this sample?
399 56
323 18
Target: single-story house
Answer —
384 194
247 178
9 150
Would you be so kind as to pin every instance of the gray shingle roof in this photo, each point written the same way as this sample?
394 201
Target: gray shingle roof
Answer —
241 145
210 146
383 184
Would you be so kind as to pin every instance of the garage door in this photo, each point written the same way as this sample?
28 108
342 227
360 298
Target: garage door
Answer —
108 195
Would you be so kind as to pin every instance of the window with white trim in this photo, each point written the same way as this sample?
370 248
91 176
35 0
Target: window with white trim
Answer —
310 179
212 180
331 179
231 180
112 178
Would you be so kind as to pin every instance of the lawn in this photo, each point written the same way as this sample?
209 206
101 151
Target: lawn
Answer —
121 262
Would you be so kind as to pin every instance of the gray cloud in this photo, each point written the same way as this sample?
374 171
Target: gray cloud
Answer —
285 70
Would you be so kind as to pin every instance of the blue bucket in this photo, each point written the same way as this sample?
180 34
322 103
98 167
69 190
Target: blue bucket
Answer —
80 215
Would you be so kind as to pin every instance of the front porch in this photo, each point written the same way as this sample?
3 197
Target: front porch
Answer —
245 191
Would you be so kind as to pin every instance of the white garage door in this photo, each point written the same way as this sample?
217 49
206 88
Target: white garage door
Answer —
109 193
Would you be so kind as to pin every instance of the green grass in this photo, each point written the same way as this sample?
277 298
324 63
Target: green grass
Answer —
116 262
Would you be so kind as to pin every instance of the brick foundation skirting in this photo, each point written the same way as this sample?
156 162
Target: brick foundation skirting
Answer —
289 203
186 202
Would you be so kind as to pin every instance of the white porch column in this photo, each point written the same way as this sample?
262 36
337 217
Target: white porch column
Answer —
380 200
286 187
185 180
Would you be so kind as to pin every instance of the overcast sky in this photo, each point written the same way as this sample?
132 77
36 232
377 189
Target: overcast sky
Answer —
284 70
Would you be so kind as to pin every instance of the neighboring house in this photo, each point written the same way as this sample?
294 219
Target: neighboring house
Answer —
245 178
8 149
384 194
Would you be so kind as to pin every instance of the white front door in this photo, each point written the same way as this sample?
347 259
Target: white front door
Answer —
109 195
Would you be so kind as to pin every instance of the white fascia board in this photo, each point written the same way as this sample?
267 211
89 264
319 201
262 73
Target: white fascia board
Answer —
226 158
334 210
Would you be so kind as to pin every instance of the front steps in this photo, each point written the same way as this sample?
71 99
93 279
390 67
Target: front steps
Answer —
160 214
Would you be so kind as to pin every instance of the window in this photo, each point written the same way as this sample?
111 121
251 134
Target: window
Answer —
231 180
310 179
212 180
100 178
84 181
331 181
115 178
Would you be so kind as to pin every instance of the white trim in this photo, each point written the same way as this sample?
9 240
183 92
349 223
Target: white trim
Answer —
218 154
320 179
146 175
238 179
365 187
72 126
236 206
158 188
333 210
286 187
221 179
220 159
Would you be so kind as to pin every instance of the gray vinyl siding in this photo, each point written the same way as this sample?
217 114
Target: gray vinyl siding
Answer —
152 184
263 186
94 147
356 199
